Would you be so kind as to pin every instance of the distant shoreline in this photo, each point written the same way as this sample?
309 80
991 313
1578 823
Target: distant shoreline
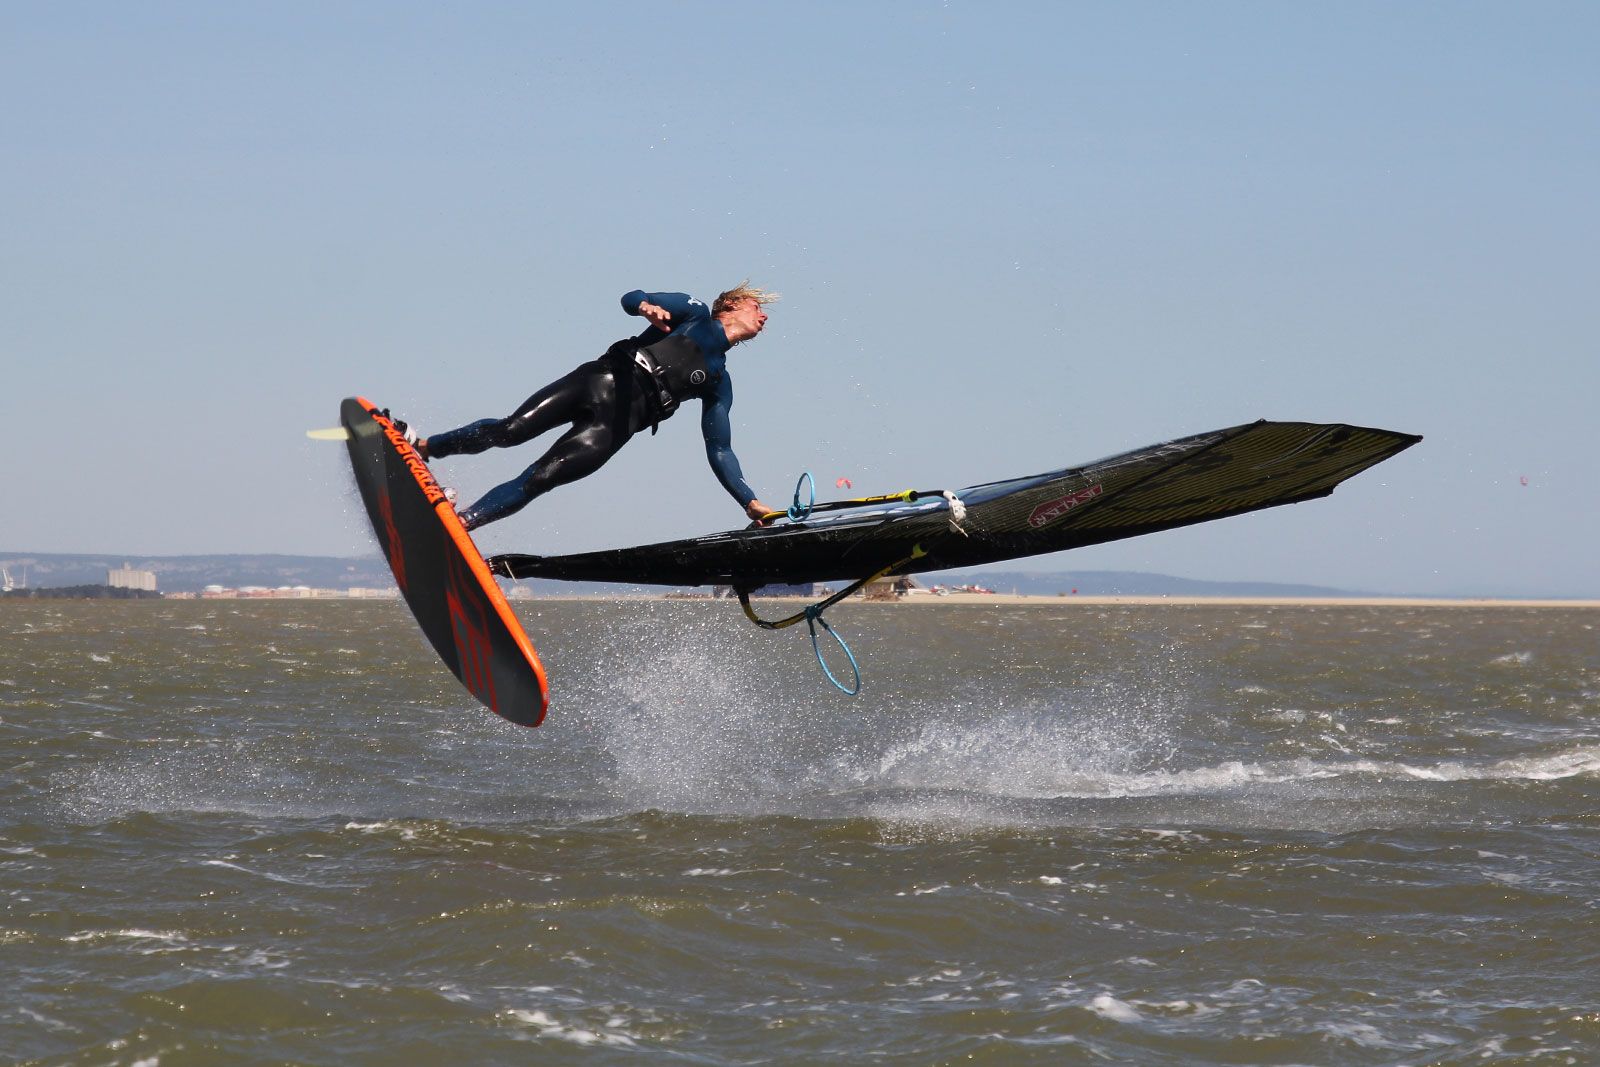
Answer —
917 600
1264 601
1214 601
335 576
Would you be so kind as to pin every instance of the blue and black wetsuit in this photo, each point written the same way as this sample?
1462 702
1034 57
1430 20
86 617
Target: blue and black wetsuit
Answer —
637 383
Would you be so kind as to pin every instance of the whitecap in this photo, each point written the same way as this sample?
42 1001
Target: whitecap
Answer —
1109 1007
170 937
1582 760
1364 1034
549 1027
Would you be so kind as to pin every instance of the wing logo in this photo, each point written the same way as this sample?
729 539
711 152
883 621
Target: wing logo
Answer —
470 627
1051 510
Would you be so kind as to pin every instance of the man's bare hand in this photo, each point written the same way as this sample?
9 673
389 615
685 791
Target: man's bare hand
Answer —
659 316
759 512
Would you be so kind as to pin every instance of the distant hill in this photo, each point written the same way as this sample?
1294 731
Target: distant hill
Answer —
190 574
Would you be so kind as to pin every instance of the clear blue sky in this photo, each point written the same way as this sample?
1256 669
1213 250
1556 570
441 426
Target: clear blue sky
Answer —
1009 237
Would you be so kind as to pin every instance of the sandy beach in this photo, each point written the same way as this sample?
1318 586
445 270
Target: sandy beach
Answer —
1220 601
1013 599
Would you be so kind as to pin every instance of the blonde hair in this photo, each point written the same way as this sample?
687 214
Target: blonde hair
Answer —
728 300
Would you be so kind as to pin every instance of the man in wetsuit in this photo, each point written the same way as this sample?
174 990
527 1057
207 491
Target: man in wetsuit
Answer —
637 383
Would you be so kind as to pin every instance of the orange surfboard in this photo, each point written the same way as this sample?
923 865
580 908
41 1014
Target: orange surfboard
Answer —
440 572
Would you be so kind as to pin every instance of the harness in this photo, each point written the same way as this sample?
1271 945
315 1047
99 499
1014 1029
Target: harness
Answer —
674 369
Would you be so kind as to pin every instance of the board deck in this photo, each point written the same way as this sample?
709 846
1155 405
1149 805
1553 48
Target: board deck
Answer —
440 572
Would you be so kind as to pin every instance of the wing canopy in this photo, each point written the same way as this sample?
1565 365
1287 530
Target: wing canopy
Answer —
1178 483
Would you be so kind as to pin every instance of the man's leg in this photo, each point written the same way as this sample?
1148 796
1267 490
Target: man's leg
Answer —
562 401
602 422
580 452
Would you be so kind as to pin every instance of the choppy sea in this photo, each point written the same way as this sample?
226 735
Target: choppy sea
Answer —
277 832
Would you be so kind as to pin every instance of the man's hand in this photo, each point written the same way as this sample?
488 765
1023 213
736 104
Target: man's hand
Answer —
758 511
659 316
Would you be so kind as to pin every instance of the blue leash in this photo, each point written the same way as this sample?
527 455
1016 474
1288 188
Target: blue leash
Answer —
796 512
813 619
800 513
813 612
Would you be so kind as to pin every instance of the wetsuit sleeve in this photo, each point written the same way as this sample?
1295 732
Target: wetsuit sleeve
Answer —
718 432
681 306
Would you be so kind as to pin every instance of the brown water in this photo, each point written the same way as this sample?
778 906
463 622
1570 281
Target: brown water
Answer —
276 832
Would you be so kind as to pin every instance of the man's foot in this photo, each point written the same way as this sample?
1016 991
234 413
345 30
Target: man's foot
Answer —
413 439
450 498
464 515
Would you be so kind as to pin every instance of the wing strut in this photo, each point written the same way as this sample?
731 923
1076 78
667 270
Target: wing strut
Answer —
798 512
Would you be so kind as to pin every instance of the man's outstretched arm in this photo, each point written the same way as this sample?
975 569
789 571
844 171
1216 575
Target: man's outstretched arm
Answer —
718 432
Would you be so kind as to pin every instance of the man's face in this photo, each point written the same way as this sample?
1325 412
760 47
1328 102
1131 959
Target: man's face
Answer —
747 317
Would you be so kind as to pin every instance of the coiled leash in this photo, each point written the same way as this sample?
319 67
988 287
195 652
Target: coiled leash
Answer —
798 512
812 614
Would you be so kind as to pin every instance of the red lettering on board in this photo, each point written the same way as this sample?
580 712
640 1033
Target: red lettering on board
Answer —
408 455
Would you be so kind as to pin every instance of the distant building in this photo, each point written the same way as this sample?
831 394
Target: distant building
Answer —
891 588
125 577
